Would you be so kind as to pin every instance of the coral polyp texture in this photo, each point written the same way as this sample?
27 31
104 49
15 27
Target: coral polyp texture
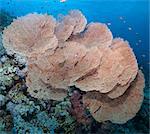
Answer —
70 52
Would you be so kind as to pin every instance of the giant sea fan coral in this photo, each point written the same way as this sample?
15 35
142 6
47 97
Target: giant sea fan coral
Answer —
118 66
74 23
26 34
71 53
118 110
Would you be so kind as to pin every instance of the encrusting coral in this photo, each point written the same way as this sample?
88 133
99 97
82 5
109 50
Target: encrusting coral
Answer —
72 53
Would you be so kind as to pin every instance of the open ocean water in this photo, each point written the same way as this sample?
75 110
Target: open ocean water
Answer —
128 19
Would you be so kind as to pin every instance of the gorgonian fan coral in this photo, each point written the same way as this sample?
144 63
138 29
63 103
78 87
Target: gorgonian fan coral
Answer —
71 53
118 110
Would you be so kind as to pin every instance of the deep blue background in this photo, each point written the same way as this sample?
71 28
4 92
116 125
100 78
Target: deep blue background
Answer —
122 14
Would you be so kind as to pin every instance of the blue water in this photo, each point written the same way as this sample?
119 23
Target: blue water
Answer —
122 14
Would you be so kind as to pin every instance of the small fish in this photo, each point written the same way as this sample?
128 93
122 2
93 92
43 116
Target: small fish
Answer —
129 28
121 18
124 21
140 41
141 68
143 55
62 1
108 24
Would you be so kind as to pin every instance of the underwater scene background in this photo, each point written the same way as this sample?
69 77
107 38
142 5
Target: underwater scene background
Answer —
20 113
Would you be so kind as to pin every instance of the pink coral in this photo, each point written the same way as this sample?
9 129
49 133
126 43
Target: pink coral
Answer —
30 34
118 67
118 110
96 34
74 23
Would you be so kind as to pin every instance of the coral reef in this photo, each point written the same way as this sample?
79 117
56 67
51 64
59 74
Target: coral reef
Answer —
46 58
7 74
21 113
6 122
2 50
101 64
61 111
41 122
